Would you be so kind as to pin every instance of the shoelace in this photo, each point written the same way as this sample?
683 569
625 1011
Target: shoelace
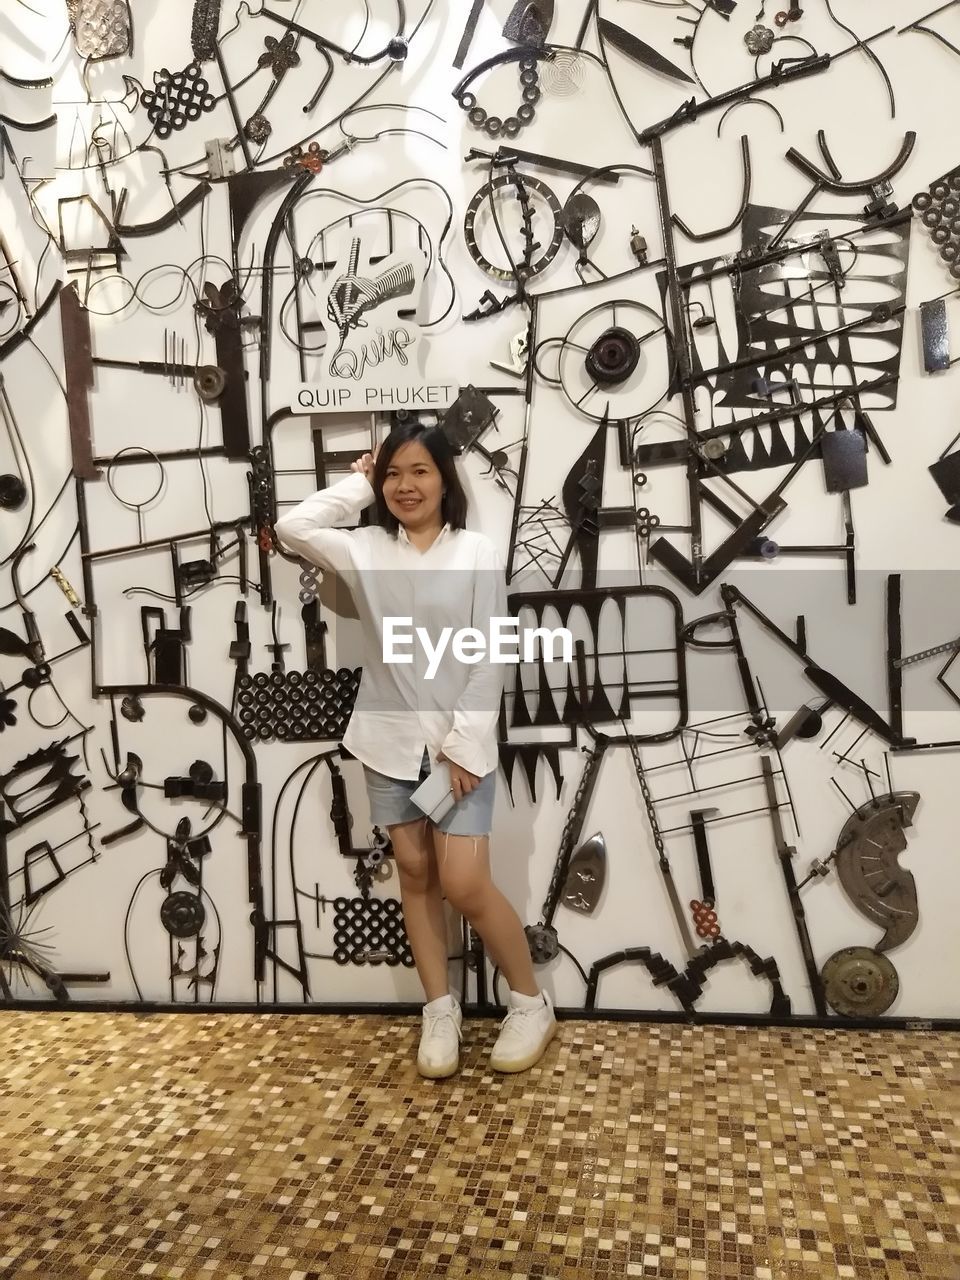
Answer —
513 1022
431 1020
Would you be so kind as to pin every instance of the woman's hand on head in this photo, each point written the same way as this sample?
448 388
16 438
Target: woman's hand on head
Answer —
365 463
461 780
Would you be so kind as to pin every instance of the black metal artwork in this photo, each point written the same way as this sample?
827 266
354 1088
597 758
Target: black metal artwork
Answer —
586 876
466 420
295 706
939 210
177 99
946 474
859 982
829 685
772 280
614 363
528 22
935 335
476 8
639 51
204 27
815 353
700 236
23 950
866 857
55 786
370 931
919 24
528 59
529 263
654 673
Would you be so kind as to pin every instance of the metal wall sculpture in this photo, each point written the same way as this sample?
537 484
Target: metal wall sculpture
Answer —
233 254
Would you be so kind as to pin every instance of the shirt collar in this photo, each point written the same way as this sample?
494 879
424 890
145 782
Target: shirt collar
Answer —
402 536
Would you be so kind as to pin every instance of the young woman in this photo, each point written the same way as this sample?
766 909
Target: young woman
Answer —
421 565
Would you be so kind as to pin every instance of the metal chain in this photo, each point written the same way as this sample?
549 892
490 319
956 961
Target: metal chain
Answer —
647 799
573 825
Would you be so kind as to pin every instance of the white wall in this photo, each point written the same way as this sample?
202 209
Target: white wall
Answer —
899 516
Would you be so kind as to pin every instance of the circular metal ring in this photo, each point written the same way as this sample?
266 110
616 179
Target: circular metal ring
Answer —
613 356
477 117
148 455
525 114
182 915
488 192
209 382
571 347
860 982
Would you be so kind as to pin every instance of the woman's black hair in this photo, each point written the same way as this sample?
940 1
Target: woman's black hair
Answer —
453 504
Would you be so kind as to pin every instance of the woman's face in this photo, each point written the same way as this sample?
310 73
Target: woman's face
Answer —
413 487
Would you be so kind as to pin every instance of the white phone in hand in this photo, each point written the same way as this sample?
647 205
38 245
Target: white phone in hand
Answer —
434 796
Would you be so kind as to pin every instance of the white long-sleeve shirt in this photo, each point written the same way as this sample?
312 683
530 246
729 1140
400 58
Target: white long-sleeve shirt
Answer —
457 582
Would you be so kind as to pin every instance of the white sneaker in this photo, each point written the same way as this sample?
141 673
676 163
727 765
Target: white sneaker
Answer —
524 1034
439 1053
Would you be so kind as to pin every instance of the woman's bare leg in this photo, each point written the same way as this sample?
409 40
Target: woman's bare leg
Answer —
423 910
463 863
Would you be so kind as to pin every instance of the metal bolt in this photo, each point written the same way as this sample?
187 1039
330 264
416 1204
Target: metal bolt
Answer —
638 246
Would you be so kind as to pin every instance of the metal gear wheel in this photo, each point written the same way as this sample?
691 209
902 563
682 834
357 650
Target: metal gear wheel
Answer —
859 982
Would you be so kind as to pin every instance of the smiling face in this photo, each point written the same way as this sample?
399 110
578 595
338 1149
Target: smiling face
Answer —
413 488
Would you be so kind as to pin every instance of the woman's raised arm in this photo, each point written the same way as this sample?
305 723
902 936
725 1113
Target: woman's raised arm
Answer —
309 529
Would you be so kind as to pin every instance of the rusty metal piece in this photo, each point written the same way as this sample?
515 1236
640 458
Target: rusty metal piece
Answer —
221 310
75 324
57 574
586 876
204 29
209 382
867 851
860 983
705 919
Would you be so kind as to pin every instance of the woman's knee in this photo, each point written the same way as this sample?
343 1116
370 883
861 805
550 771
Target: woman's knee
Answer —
413 854
464 869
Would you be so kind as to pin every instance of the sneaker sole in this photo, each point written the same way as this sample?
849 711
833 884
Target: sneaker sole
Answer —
438 1073
524 1064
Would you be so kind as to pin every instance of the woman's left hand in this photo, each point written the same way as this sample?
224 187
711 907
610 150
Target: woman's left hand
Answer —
462 780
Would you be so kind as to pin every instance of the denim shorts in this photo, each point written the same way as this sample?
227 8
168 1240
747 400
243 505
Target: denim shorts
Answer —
390 803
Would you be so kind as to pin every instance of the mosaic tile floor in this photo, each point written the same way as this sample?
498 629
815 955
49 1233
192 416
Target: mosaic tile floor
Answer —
307 1148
